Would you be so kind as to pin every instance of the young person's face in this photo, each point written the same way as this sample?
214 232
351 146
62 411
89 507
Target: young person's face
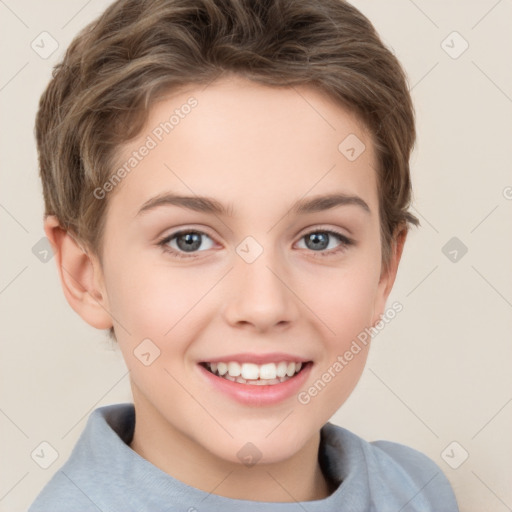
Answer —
273 272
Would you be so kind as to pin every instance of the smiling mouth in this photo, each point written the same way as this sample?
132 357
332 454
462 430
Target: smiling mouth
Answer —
268 374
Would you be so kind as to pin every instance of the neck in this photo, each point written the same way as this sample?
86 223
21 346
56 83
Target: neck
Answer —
298 478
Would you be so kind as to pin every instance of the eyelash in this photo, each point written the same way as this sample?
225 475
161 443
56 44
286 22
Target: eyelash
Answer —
345 242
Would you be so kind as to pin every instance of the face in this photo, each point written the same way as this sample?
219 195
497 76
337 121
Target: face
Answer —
245 236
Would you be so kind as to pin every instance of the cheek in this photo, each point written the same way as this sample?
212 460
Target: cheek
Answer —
344 299
149 299
345 307
156 312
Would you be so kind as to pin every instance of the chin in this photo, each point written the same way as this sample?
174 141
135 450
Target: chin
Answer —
252 448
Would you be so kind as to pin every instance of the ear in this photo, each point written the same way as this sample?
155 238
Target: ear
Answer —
388 273
80 275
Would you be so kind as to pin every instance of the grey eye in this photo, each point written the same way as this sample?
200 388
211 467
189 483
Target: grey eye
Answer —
190 241
320 241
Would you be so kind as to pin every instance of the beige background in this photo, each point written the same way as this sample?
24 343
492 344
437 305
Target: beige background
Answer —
439 373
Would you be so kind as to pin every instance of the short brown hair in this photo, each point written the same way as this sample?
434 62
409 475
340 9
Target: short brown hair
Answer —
138 50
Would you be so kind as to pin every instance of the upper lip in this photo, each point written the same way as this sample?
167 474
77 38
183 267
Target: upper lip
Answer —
274 357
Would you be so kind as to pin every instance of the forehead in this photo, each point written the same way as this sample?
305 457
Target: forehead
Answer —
236 139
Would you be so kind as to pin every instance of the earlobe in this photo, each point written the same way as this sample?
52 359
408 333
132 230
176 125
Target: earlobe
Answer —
80 276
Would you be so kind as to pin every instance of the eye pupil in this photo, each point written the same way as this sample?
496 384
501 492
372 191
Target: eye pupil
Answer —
317 241
189 241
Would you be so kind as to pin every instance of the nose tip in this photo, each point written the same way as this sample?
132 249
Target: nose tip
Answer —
259 298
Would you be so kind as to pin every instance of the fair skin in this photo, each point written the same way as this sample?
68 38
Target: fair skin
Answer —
256 150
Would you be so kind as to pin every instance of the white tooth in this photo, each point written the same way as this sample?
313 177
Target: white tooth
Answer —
222 368
268 371
282 379
281 369
233 369
240 380
290 371
250 371
213 367
298 366
260 382
232 379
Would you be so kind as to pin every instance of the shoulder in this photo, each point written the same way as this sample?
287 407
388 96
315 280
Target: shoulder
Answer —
83 479
398 474
59 494
421 472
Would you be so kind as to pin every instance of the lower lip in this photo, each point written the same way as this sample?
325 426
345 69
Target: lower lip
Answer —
249 394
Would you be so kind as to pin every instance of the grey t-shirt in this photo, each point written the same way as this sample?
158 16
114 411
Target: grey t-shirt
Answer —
104 474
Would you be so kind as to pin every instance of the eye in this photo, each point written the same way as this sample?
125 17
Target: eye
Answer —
186 242
324 240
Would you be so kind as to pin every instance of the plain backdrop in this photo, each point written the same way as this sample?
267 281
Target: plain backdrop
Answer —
438 377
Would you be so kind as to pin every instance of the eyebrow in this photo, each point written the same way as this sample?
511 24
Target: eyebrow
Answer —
210 205
326 202
196 203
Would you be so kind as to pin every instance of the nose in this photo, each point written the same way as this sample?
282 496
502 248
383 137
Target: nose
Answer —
260 298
